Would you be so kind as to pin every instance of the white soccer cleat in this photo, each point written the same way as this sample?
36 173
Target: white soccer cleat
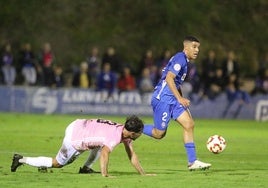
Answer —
198 165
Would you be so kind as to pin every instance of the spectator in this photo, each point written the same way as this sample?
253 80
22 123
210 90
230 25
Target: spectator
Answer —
261 83
94 65
58 77
230 66
126 81
235 94
217 85
263 64
106 81
8 69
27 62
81 78
154 74
261 77
47 59
146 84
191 85
147 61
163 60
208 70
112 58
193 77
40 80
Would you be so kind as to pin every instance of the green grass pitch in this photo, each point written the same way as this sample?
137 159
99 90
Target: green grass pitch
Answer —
244 163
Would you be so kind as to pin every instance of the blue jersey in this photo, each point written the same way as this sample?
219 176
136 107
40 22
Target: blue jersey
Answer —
178 66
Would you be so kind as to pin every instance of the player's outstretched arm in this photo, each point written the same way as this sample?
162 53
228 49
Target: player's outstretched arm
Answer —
134 159
104 161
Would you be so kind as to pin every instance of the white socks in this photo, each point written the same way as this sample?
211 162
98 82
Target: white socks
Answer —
37 161
93 157
47 161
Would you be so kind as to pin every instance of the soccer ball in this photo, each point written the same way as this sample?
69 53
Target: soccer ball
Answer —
216 144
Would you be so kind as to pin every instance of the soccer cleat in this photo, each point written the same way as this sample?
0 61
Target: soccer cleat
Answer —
15 163
86 170
198 165
42 169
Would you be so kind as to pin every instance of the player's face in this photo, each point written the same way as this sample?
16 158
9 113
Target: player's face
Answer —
192 49
134 135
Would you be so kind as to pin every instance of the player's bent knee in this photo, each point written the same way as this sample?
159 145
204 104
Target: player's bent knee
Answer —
58 166
190 125
55 164
159 134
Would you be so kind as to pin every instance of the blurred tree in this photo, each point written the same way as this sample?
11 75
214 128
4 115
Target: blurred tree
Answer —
72 27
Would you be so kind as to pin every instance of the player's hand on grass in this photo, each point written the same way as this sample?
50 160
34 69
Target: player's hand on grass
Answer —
149 174
108 176
111 176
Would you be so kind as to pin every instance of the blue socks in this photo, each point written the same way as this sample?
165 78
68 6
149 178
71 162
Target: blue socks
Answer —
148 130
190 150
189 147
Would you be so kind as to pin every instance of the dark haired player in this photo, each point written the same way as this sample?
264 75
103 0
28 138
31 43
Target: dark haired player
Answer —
167 101
98 135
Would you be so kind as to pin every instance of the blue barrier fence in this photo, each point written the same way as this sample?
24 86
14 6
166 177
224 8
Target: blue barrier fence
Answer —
86 101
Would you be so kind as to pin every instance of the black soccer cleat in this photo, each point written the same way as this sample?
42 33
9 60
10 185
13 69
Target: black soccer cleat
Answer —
86 170
42 169
15 163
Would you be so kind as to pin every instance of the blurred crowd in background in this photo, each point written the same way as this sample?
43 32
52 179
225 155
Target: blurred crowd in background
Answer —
206 77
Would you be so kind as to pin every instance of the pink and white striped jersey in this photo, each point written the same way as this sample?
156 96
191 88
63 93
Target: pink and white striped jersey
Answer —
91 133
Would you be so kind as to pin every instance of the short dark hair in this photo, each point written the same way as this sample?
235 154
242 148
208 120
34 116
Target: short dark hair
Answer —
191 39
134 124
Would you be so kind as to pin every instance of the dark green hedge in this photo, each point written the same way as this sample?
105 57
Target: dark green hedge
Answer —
132 26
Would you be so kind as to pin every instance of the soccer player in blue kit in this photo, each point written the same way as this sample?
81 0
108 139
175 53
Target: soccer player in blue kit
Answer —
167 101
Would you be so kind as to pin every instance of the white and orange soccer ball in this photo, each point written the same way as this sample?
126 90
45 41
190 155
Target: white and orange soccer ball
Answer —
216 144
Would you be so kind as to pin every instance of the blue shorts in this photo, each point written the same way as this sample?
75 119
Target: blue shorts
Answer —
163 112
